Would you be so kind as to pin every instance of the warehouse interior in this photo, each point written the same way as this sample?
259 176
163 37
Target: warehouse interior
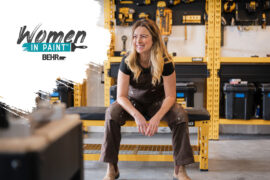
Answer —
222 65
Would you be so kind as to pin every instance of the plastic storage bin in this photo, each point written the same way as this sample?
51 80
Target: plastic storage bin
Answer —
239 100
265 91
185 93
65 92
113 93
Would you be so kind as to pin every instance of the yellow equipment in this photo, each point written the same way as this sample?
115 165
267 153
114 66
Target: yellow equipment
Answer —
263 20
147 2
174 2
143 2
252 6
54 100
164 18
188 1
229 6
266 5
182 102
126 2
191 19
143 15
126 15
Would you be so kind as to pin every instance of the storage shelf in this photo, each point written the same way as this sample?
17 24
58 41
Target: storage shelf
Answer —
245 121
245 59
176 59
183 70
188 60
252 72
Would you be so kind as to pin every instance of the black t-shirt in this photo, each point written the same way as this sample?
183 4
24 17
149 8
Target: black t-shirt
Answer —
168 68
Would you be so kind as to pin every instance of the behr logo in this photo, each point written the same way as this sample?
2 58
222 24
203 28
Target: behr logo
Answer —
52 57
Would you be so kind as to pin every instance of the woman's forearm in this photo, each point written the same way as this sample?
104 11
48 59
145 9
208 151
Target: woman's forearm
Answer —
127 105
167 103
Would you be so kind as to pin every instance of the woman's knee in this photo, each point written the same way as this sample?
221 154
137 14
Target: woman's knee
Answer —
176 115
115 112
182 113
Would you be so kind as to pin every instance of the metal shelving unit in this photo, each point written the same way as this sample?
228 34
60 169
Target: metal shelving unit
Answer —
223 61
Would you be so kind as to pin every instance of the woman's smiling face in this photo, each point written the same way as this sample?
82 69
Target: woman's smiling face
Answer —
142 40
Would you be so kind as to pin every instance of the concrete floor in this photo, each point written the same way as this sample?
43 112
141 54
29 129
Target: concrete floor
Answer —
232 157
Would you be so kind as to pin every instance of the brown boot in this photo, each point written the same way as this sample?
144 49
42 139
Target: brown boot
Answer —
111 174
182 174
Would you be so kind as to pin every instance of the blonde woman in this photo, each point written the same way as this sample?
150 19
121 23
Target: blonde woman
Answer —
146 92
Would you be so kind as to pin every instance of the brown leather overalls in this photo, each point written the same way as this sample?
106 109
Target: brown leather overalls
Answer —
147 99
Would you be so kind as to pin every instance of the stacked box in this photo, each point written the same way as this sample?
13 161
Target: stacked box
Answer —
265 92
239 100
185 93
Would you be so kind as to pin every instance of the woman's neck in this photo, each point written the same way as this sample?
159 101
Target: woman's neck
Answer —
145 60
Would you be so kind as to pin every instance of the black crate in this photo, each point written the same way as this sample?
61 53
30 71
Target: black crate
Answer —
66 92
239 100
186 91
265 92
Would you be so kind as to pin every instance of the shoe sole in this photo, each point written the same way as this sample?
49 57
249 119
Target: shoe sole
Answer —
117 176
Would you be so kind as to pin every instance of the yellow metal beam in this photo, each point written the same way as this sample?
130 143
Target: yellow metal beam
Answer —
245 59
107 13
210 49
84 93
140 157
176 59
77 95
128 123
216 67
138 147
203 143
245 122
108 82
131 123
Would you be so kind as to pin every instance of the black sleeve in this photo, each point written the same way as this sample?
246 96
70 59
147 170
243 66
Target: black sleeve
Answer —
168 68
124 67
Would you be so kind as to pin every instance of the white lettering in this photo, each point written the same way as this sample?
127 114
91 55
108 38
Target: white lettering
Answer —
35 47
49 47
58 47
44 46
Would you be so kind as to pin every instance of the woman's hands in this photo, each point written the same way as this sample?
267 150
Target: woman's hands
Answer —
147 129
142 125
152 126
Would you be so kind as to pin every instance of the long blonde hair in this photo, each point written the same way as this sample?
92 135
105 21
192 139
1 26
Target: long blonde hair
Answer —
157 55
